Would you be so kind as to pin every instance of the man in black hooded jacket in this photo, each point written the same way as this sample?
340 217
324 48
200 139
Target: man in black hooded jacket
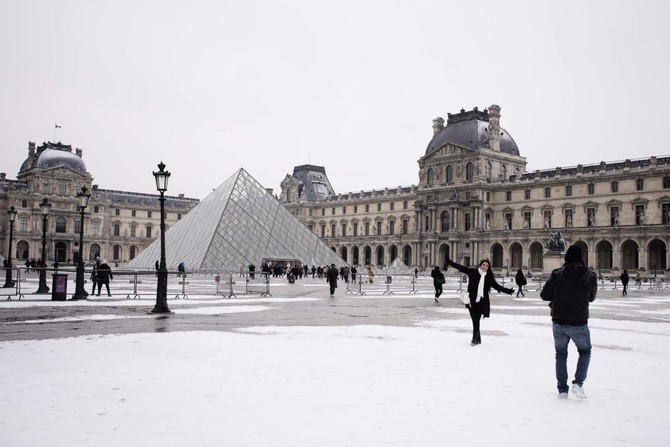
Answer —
569 291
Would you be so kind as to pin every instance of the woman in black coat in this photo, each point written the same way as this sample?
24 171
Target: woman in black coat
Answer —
438 280
480 281
624 281
520 280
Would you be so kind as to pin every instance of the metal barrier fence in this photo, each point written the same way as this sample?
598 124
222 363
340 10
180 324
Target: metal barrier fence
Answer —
138 284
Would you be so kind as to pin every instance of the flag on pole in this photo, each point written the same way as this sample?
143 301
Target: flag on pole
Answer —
57 126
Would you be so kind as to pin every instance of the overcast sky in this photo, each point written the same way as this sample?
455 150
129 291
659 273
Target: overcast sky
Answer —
209 87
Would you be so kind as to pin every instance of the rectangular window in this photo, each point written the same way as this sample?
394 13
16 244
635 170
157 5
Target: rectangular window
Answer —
665 213
427 227
392 206
614 215
179 215
568 218
77 226
379 228
639 184
590 217
332 230
311 227
547 193
547 219
62 190
615 186
23 223
466 221
379 207
591 189
355 228
526 220
344 230
332 211
149 231
405 224
149 214
117 230
508 221
133 230
488 196
404 204
61 225
367 208
310 212
568 190
355 209
508 196
392 227
666 182
323 231
640 218
95 226
133 213
367 228
117 212
527 194
323 211
117 252
344 210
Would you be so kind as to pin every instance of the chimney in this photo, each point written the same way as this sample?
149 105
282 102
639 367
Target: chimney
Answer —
438 125
78 152
494 128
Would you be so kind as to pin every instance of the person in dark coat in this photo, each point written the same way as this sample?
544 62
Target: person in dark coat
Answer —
520 280
624 281
94 275
104 275
480 281
569 290
331 277
438 280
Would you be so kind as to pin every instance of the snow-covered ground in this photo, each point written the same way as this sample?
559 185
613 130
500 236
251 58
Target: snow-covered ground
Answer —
353 385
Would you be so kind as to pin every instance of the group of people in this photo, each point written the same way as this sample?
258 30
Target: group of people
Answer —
569 291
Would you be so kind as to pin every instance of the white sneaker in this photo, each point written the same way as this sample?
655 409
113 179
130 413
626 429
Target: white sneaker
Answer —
578 391
563 395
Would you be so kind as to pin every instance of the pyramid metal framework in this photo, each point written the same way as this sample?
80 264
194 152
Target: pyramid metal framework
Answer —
239 223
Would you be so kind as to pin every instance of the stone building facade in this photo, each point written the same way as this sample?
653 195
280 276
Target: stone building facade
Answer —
475 200
118 225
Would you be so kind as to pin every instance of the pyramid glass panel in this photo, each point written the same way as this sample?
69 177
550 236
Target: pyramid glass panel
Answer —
239 223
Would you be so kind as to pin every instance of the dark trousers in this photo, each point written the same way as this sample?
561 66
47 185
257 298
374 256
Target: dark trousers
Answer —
438 289
476 316
106 283
625 291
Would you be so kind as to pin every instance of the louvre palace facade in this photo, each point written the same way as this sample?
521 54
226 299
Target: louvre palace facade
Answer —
475 199
118 225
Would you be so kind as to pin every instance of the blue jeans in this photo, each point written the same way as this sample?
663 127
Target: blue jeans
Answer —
581 336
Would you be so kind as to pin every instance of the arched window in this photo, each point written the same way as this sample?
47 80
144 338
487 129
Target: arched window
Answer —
503 172
62 190
489 170
450 174
469 172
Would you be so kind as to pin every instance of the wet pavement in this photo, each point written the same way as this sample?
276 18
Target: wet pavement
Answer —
304 303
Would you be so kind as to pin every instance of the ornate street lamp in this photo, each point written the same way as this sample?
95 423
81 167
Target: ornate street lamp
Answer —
162 177
9 282
79 291
45 206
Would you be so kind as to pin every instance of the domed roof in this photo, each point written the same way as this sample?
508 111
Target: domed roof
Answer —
471 130
51 155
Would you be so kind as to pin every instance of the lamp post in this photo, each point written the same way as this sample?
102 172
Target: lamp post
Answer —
9 282
162 177
45 206
79 292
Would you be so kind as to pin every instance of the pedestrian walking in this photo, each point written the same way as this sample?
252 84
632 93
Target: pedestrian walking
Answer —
94 275
371 275
331 277
438 280
480 281
569 291
624 281
103 276
520 280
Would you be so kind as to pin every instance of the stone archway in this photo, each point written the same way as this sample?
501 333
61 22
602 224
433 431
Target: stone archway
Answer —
536 256
380 255
355 256
630 255
442 255
407 255
516 255
344 254
657 255
603 255
497 256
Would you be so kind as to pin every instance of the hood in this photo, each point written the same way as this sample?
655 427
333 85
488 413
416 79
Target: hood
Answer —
578 273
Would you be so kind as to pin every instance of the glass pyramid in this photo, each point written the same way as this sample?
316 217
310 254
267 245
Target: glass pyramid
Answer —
239 223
